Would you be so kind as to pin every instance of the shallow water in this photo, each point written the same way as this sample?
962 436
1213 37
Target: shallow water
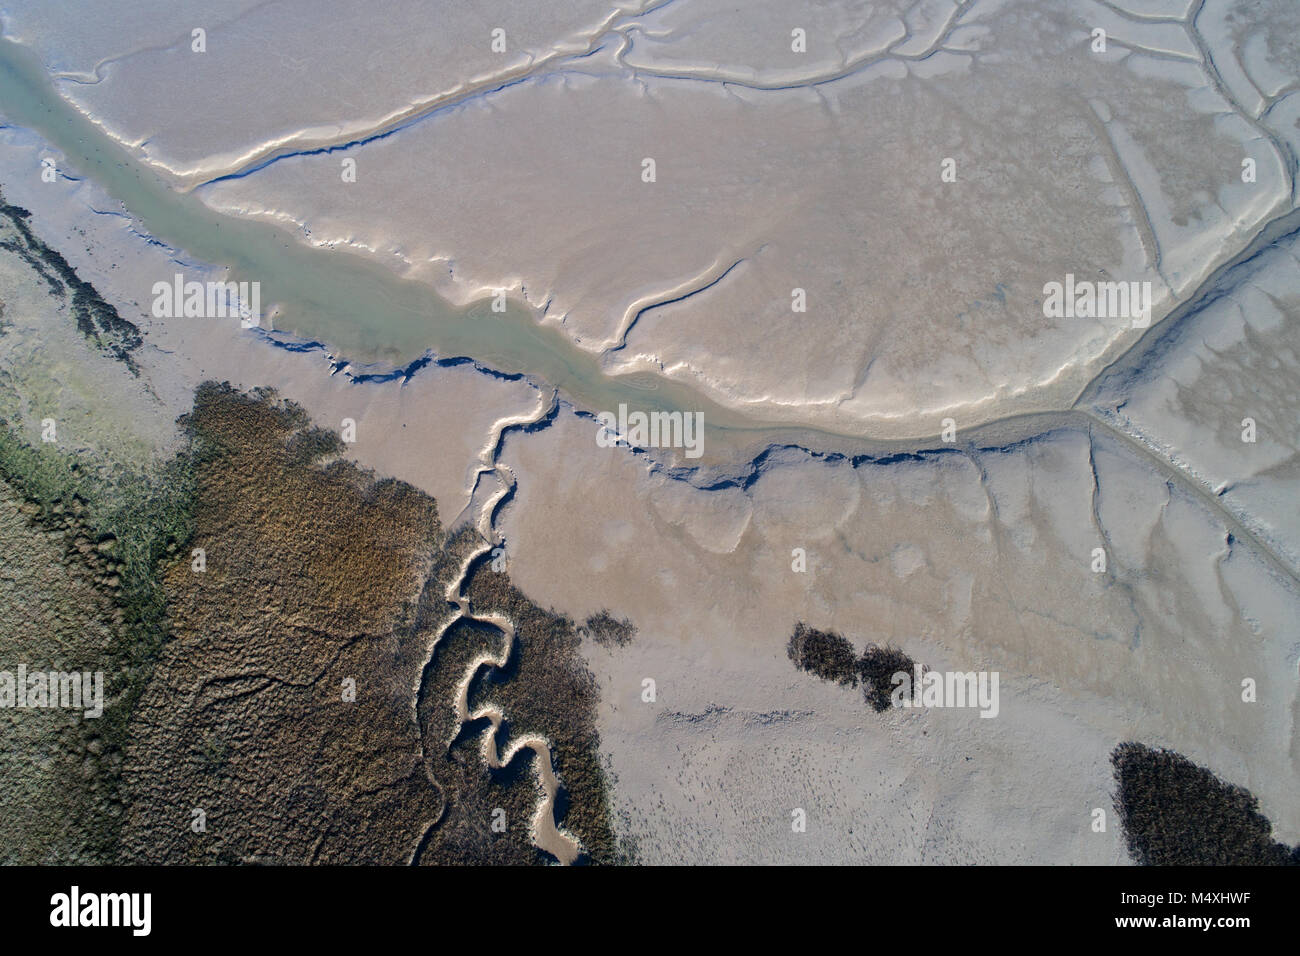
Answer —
367 313
362 310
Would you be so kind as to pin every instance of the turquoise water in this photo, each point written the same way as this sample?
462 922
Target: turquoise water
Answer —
362 310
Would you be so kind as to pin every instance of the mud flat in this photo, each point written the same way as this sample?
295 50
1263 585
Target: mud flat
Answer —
978 559
826 288
871 345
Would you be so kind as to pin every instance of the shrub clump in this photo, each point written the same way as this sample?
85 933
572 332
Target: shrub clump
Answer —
607 630
831 657
824 653
1176 813
877 668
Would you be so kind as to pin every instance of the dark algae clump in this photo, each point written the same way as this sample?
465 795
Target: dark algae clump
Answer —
877 669
1175 813
607 630
825 654
832 658
96 319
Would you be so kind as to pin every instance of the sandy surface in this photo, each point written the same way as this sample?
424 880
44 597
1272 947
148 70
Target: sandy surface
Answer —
775 171
1121 164
978 559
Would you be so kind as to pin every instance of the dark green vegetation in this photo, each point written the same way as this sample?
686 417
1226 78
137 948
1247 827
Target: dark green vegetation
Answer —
1176 813
607 630
832 658
824 653
88 545
877 669
96 319
286 689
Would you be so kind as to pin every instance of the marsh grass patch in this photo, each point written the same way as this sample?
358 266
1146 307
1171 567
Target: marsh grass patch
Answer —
1176 813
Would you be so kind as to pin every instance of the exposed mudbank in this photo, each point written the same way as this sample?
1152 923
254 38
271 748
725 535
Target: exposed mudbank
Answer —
374 314
98 321
1178 814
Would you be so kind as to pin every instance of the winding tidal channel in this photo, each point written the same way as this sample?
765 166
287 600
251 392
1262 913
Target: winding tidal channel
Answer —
365 311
